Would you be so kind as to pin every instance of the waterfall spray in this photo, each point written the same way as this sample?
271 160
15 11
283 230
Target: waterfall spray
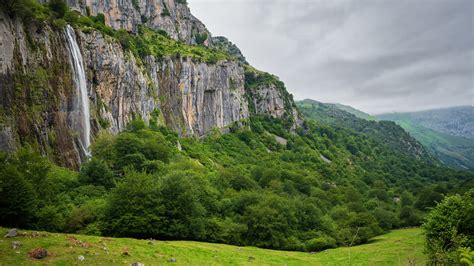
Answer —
79 78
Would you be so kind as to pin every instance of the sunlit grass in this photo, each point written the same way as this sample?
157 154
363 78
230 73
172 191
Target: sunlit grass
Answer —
394 248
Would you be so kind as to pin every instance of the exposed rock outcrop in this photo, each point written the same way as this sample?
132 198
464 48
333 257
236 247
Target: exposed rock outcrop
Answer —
38 94
172 16
38 90
224 44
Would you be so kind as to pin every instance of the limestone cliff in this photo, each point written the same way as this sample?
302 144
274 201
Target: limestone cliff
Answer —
172 16
38 103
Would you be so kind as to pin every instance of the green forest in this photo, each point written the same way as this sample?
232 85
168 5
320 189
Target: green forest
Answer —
242 188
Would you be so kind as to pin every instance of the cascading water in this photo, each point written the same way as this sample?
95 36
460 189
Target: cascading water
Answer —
82 123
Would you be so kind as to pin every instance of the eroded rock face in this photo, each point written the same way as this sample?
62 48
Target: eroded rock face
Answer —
192 97
38 92
172 16
195 97
268 99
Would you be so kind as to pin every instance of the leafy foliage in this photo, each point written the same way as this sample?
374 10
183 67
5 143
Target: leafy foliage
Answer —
238 188
449 228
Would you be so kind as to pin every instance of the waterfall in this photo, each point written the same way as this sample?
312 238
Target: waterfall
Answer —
82 123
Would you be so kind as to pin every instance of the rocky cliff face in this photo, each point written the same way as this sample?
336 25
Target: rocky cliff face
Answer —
38 92
172 16
39 98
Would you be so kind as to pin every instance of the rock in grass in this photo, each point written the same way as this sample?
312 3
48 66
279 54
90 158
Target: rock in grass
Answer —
81 258
38 253
12 233
137 264
172 260
16 244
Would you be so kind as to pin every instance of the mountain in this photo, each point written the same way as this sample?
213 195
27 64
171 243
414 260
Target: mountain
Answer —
446 133
151 59
454 121
128 119
354 111
382 131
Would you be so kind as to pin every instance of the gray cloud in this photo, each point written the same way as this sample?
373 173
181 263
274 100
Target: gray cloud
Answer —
378 56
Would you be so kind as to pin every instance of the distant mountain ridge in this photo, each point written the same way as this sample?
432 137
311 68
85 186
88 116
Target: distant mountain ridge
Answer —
455 121
385 132
447 133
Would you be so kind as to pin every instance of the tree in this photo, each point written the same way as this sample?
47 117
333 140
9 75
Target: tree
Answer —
17 197
448 227
200 38
134 207
59 7
184 195
96 172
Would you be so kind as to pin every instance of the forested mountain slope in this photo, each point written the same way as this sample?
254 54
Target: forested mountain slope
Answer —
454 121
446 133
384 132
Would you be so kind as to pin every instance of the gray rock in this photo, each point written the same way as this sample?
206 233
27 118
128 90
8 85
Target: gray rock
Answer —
12 233
137 264
81 258
172 260
171 16
16 244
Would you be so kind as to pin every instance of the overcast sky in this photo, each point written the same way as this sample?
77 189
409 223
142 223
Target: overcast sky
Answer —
378 56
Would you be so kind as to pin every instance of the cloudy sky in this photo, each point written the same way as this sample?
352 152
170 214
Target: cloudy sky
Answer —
376 55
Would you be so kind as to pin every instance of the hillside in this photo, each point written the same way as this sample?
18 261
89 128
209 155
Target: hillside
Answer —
454 121
446 133
386 133
399 246
355 112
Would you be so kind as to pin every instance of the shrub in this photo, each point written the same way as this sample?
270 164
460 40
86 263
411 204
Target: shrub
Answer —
449 227
320 243
59 7
96 172
200 38
50 219
133 208
17 197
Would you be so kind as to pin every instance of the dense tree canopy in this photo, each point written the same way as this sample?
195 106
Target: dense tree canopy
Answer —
241 188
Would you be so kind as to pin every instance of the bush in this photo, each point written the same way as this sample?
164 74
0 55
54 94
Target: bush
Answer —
50 219
320 243
17 198
59 7
448 227
97 173
200 38
133 208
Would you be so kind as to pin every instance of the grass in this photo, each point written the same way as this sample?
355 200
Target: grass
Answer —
394 248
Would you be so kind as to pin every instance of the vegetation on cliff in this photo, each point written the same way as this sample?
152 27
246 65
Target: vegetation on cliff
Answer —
145 43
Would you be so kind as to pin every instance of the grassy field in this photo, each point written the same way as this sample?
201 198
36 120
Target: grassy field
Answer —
394 248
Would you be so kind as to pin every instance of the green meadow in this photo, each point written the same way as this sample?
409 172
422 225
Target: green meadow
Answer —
398 247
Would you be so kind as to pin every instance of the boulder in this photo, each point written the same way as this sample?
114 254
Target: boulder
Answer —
16 244
12 233
172 260
38 253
